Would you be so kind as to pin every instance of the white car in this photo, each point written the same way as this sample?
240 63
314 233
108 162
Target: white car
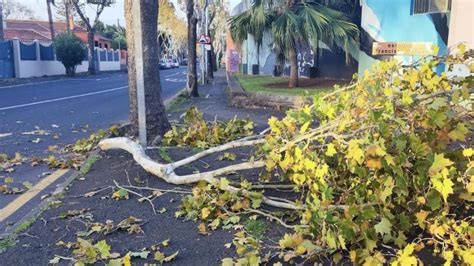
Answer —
175 63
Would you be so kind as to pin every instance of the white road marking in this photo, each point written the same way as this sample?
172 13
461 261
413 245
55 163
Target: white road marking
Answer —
50 81
62 98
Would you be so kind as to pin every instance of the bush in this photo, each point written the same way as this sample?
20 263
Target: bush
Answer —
70 51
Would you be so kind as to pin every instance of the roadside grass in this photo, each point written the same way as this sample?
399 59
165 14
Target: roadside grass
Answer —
86 167
262 83
24 226
176 105
6 243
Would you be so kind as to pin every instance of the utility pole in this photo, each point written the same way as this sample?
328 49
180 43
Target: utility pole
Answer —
68 23
50 18
118 28
203 46
1 21
139 68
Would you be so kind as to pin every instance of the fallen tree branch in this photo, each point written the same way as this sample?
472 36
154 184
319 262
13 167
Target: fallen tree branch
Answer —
137 194
166 171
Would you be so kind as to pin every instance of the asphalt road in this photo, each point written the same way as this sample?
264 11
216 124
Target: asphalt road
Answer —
67 109
63 110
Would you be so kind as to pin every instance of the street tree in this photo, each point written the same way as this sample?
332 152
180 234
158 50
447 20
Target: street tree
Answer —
156 120
91 25
65 11
13 9
70 51
192 83
171 29
50 18
293 24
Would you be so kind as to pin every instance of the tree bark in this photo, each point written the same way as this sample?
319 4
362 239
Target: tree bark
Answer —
92 54
293 67
156 120
192 83
132 75
210 64
50 18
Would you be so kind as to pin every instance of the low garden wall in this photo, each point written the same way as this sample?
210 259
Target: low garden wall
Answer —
38 59
238 97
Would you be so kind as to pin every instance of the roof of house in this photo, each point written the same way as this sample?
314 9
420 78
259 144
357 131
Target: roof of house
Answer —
25 35
24 30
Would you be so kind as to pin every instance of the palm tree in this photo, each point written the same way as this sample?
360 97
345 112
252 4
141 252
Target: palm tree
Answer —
295 23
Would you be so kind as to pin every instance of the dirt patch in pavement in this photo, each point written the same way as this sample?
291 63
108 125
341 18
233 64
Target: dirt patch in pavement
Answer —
315 83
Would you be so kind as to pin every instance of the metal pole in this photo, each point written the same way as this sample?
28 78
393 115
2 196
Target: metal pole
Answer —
1 21
138 53
203 48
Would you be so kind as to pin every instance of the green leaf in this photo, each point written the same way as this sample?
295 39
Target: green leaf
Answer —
103 248
459 133
383 227
439 164
224 183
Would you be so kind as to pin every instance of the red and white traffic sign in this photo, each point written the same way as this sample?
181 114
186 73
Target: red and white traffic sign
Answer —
204 39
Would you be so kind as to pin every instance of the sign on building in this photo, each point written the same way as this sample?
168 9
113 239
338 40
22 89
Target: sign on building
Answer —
402 48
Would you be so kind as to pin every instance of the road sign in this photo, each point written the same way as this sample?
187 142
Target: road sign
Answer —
204 39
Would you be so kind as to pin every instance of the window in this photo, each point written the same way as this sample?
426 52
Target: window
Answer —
430 6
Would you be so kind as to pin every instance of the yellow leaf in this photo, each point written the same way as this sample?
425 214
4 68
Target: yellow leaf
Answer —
331 150
202 229
126 260
354 152
421 217
439 164
205 213
468 152
304 127
405 257
321 171
373 163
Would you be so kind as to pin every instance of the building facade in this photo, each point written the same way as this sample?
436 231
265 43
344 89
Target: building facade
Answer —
414 26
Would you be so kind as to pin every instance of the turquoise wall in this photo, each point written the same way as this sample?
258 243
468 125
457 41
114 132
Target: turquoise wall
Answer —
393 21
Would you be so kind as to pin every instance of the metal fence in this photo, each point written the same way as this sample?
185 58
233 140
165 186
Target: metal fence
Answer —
46 52
28 51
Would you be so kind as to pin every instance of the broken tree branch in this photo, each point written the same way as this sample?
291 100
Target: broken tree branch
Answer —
166 171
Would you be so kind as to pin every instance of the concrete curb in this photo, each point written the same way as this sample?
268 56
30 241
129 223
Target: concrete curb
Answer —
37 210
238 97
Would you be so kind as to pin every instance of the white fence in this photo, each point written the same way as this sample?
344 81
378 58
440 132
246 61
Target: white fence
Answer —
38 59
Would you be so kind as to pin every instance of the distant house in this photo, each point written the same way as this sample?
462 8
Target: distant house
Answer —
30 30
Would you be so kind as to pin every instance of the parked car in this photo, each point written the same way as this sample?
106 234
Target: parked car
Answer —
175 63
164 64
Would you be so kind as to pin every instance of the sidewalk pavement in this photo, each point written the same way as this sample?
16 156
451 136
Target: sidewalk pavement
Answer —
36 243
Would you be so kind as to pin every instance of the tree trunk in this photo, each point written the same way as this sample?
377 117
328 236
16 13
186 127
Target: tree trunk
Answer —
156 120
210 65
92 53
192 84
132 75
293 68
50 18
